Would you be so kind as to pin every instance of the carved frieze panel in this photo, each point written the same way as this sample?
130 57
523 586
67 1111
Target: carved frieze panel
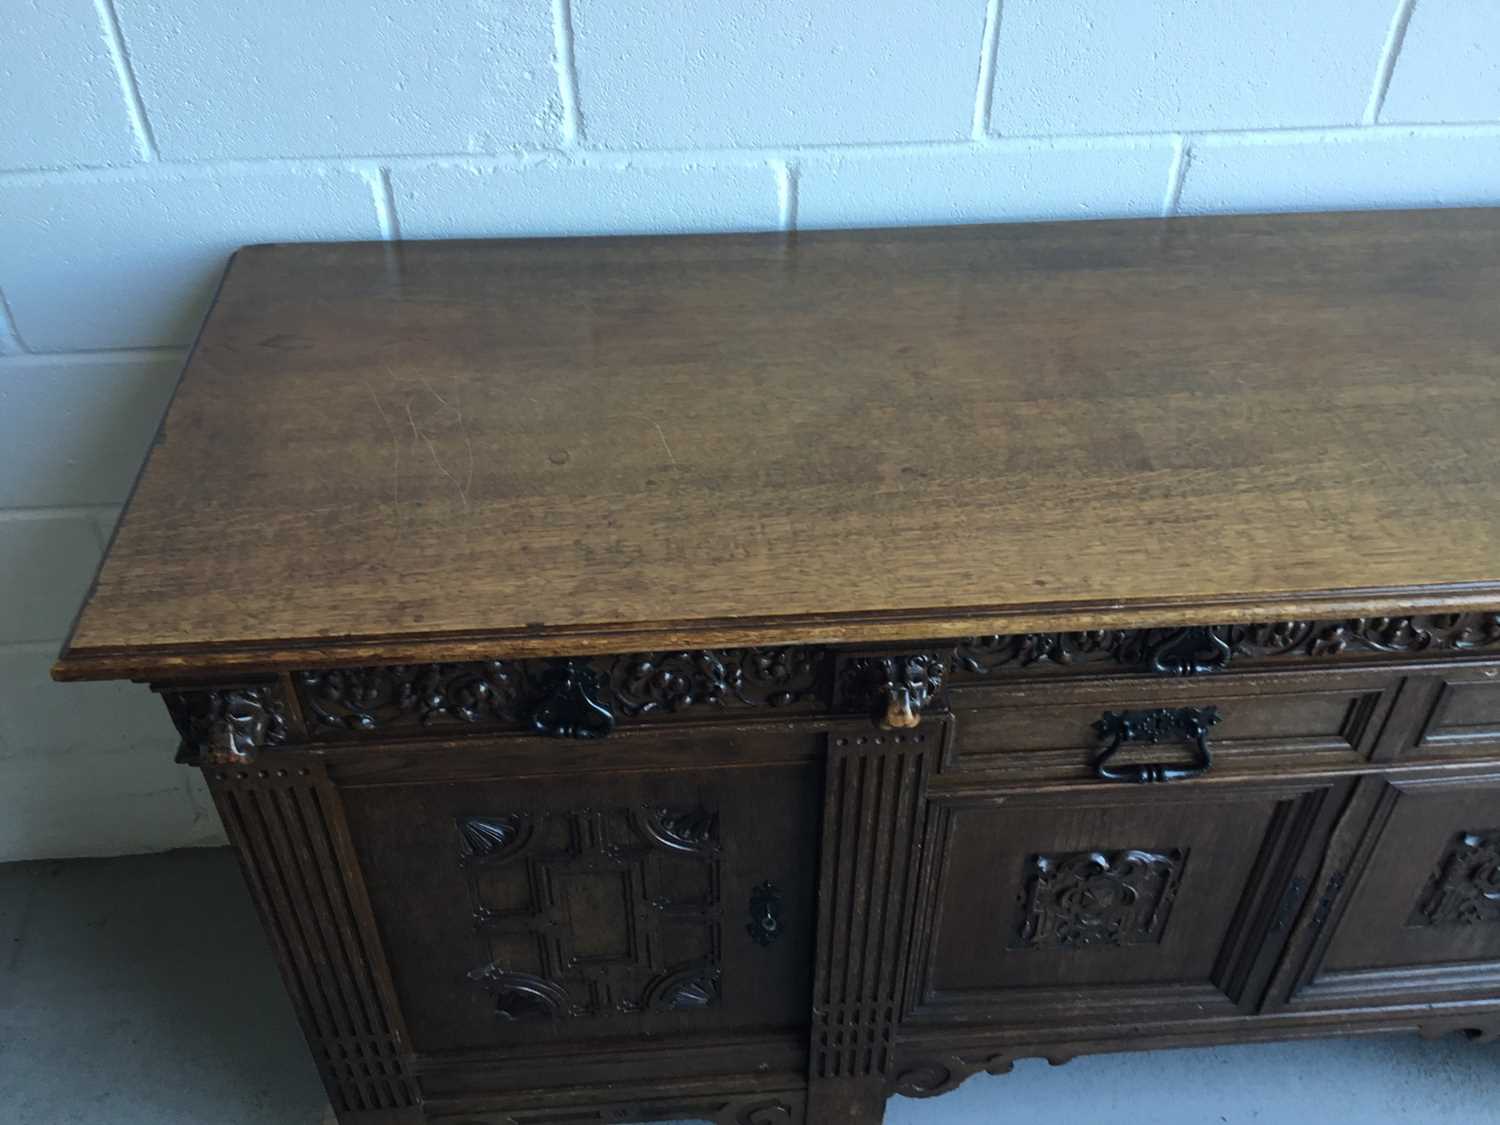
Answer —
649 683
1464 887
369 699
576 698
1072 900
1210 648
595 912
587 698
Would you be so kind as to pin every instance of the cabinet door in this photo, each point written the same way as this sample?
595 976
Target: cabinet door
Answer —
1408 907
612 902
1107 903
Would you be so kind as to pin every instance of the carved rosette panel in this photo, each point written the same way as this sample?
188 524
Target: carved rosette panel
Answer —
1073 900
226 726
299 862
595 912
1464 887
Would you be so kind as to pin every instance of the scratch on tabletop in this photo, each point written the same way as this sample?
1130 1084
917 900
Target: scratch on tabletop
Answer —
664 443
463 430
395 448
418 433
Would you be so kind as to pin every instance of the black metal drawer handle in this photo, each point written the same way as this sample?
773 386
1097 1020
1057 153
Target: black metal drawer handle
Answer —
1161 725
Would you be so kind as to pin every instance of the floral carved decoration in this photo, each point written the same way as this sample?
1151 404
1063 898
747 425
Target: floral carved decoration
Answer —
1464 887
589 697
1074 900
570 698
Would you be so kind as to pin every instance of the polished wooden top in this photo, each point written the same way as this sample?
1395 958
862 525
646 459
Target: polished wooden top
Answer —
431 450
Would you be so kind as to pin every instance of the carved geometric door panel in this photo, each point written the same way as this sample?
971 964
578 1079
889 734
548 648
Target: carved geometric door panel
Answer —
592 911
593 906
1106 903
1415 886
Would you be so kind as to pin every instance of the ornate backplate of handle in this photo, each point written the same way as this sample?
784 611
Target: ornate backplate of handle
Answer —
1163 724
570 706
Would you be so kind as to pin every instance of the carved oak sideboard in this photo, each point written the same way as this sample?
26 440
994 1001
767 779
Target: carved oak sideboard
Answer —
746 677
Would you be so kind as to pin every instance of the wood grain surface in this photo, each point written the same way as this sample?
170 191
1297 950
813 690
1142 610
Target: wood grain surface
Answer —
434 450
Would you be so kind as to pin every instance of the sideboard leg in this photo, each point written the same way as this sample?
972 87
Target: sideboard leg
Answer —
287 825
846 1101
873 823
1482 1027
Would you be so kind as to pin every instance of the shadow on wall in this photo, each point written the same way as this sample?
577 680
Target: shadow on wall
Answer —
88 768
85 769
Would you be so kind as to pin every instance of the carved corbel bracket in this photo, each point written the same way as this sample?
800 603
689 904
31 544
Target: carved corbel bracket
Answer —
894 689
226 726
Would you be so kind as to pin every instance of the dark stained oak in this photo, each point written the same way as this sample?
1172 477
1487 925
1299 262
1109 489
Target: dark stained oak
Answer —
445 450
648 679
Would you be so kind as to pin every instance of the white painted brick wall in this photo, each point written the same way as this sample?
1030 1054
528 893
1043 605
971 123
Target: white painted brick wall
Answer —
142 140
1174 65
473 199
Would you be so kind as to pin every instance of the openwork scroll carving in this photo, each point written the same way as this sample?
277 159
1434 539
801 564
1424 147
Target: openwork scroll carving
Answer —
1209 648
648 683
1457 632
369 699
1464 887
1072 900
572 697
929 1077
757 1107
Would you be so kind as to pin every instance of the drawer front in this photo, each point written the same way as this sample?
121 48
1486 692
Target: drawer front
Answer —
1267 722
1096 905
1408 910
616 903
1454 713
